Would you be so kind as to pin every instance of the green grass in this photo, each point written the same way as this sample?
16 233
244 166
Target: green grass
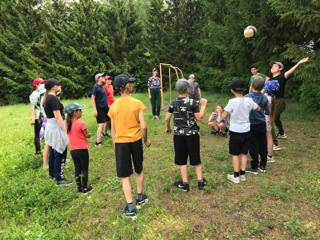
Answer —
284 203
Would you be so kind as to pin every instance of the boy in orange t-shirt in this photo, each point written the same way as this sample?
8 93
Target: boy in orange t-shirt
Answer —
128 128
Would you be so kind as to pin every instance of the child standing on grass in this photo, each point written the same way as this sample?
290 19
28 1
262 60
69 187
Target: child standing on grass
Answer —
78 134
128 128
239 109
217 128
258 146
270 87
186 138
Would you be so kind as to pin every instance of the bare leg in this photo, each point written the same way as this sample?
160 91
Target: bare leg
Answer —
126 187
140 181
99 131
184 173
198 170
270 143
236 163
244 161
45 157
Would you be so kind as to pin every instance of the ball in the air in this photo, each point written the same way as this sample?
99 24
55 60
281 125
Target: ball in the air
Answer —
250 32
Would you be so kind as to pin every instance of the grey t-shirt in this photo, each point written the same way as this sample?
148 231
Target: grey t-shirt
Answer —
194 90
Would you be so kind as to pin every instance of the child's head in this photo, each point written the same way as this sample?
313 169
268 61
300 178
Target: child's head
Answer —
182 86
218 109
192 77
238 87
108 79
155 72
53 85
74 110
123 83
258 83
276 68
100 78
254 69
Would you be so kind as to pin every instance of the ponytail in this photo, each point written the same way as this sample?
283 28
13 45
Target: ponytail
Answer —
69 122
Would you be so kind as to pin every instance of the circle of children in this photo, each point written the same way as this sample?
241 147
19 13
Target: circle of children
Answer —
248 119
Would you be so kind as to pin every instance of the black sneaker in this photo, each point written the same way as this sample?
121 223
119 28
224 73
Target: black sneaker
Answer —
142 201
182 186
87 190
130 214
64 182
202 184
252 170
98 144
262 169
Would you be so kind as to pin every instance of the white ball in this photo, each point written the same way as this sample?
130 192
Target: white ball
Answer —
250 32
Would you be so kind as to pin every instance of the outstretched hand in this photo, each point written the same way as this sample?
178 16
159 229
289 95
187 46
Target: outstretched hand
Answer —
303 60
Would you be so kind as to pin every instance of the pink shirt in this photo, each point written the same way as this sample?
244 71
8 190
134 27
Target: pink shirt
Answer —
76 136
110 92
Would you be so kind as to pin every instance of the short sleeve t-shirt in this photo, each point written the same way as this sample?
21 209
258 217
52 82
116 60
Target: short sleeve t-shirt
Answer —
194 89
52 103
154 83
76 136
239 109
258 74
124 113
100 96
110 92
183 110
282 83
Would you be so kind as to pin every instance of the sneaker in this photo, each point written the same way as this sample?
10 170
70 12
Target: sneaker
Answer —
183 187
270 159
243 178
64 182
98 144
282 136
233 179
252 170
262 169
130 214
140 203
87 190
202 184
276 148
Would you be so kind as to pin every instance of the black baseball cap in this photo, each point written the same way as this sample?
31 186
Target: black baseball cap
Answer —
238 85
121 80
50 83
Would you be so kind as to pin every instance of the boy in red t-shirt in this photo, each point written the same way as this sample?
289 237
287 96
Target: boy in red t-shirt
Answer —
108 88
78 134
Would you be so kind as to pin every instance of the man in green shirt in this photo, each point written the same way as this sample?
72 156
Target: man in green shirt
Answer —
255 72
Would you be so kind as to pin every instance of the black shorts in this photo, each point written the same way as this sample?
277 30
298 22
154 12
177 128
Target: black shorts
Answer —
185 146
102 116
239 143
126 154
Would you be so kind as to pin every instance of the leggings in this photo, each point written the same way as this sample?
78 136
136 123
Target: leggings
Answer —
37 127
155 101
80 159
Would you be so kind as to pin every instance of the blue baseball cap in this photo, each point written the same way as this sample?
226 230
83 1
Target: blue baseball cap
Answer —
72 107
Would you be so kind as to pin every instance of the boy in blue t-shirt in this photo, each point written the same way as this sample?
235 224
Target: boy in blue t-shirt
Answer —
186 138
258 128
99 105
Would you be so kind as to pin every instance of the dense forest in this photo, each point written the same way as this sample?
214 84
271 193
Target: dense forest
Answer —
73 40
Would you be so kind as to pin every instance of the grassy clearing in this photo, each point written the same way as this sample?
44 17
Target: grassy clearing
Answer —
284 203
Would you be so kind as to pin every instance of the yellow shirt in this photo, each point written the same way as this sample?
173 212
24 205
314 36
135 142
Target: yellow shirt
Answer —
125 115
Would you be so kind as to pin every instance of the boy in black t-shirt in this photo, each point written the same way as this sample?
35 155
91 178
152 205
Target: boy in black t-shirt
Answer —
100 105
281 76
186 138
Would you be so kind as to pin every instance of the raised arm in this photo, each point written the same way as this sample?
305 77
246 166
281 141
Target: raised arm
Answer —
288 73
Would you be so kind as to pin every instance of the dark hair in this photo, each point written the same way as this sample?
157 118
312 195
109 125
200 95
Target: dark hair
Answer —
69 121
254 66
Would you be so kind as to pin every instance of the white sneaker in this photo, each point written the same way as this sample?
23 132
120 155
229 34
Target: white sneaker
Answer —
270 159
243 178
282 136
276 148
233 179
